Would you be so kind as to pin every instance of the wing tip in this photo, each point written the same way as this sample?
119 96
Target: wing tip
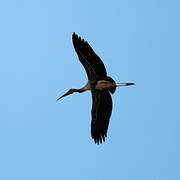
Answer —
74 34
100 139
75 37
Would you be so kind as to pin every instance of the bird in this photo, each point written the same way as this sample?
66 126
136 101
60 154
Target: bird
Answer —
101 86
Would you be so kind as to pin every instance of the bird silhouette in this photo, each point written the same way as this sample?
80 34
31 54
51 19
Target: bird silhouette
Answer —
100 85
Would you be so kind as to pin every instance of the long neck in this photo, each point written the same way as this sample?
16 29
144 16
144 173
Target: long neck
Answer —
83 89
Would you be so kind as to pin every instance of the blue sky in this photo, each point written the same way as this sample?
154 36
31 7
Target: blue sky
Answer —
41 139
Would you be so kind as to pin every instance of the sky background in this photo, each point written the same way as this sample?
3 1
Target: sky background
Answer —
40 138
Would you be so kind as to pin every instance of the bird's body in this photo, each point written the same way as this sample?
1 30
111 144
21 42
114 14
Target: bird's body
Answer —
104 85
100 86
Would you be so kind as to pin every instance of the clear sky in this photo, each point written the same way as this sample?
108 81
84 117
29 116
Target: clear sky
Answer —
139 41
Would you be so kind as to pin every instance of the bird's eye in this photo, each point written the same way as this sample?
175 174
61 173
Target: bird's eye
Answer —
71 90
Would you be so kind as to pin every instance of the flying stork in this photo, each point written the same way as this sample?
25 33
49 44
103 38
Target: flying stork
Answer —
100 85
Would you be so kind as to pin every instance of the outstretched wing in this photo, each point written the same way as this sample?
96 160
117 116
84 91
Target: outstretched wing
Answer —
101 113
93 65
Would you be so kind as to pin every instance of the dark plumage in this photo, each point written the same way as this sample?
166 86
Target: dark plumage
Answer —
100 85
102 101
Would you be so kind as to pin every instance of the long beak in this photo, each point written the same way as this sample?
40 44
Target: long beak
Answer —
66 94
60 97
125 84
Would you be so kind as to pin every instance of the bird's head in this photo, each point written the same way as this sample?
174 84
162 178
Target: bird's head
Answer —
70 91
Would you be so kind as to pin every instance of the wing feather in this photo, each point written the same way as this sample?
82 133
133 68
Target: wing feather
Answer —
92 63
101 113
